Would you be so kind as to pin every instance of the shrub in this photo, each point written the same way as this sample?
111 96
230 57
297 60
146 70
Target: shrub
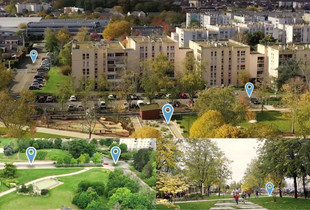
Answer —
84 198
44 191
123 147
66 70
59 160
94 141
151 181
23 189
8 150
101 142
41 155
30 188
73 161
67 160
57 143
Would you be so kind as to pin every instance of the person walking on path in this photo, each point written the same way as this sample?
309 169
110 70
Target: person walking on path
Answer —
243 197
237 198
256 194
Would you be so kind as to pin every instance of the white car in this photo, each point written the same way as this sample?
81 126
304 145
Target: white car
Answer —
125 105
72 98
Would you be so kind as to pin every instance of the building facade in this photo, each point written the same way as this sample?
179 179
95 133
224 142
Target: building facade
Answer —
137 144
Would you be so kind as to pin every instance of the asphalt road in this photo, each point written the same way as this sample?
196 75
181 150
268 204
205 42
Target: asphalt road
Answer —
35 165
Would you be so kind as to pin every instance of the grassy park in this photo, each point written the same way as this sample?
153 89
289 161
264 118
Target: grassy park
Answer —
282 203
195 205
61 195
55 79
26 175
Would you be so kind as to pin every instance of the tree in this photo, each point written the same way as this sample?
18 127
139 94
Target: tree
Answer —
108 142
16 114
64 91
65 57
244 77
222 170
254 38
263 87
302 115
63 36
268 40
205 153
222 100
136 201
156 75
228 131
8 149
84 198
9 171
293 90
57 143
259 130
141 158
146 132
287 70
192 81
78 147
51 42
6 76
254 178
167 154
116 29
123 147
67 160
83 35
207 125
81 159
96 205
119 196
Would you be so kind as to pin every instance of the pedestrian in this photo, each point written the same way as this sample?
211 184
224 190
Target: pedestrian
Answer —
170 197
249 194
243 197
256 194
237 198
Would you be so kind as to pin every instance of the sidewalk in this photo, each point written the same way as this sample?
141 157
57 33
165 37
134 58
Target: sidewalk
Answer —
231 204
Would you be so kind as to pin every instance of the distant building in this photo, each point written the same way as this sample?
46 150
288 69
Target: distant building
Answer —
146 30
73 25
150 112
137 144
32 7
14 22
9 45
68 10
137 13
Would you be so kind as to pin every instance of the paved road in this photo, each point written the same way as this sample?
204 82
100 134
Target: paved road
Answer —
44 178
36 165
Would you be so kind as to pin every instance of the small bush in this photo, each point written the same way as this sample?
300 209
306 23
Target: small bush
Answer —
44 191
8 150
41 155
66 70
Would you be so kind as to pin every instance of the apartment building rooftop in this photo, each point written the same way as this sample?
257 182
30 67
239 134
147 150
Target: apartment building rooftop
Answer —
218 44
146 39
98 45
291 47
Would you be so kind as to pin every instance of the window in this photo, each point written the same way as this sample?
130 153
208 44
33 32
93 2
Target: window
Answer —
172 55
242 67
171 47
83 56
141 48
242 60
153 48
83 71
96 55
238 53
87 56
159 48
243 53
212 53
110 76
167 48
87 72
222 52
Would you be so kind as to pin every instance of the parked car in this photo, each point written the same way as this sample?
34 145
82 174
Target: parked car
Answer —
112 97
71 108
41 99
80 107
34 88
254 101
183 96
125 105
105 164
37 77
72 98
49 99
175 103
102 105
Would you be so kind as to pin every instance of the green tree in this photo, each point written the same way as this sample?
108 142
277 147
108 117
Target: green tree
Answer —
8 149
254 38
83 35
119 196
65 55
97 157
136 201
302 115
63 36
6 76
81 159
51 42
156 75
78 147
192 81
288 69
84 198
123 147
9 171
141 158
116 29
64 91
244 77
222 100
96 205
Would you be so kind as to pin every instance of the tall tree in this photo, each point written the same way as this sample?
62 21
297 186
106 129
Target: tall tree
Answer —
51 42
116 29
6 76
63 36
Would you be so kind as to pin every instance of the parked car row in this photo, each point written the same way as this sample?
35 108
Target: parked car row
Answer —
39 79
45 99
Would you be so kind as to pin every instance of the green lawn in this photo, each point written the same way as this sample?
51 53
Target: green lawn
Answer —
196 205
7 141
272 118
283 203
52 154
61 195
55 79
185 121
26 175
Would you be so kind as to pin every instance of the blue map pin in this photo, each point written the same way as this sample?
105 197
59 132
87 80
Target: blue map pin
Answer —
33 55
167 112
115 153
249 87
31 153
269 188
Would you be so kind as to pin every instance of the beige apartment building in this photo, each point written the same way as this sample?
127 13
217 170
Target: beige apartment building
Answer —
91 59
223 60
276 54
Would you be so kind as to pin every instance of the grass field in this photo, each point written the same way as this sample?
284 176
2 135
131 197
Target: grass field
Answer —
61 195
185 121
52 154
272 118
55 79
7 141
196 205
283 203
26 175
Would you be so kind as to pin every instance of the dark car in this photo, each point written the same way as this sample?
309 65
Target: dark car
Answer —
254 101
38 76
71 108
175 103
41 99
49 99
34 88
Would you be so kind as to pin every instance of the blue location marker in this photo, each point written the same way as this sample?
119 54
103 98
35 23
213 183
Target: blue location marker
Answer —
115 153
33 55
269 188
31 153
167 112
249 87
